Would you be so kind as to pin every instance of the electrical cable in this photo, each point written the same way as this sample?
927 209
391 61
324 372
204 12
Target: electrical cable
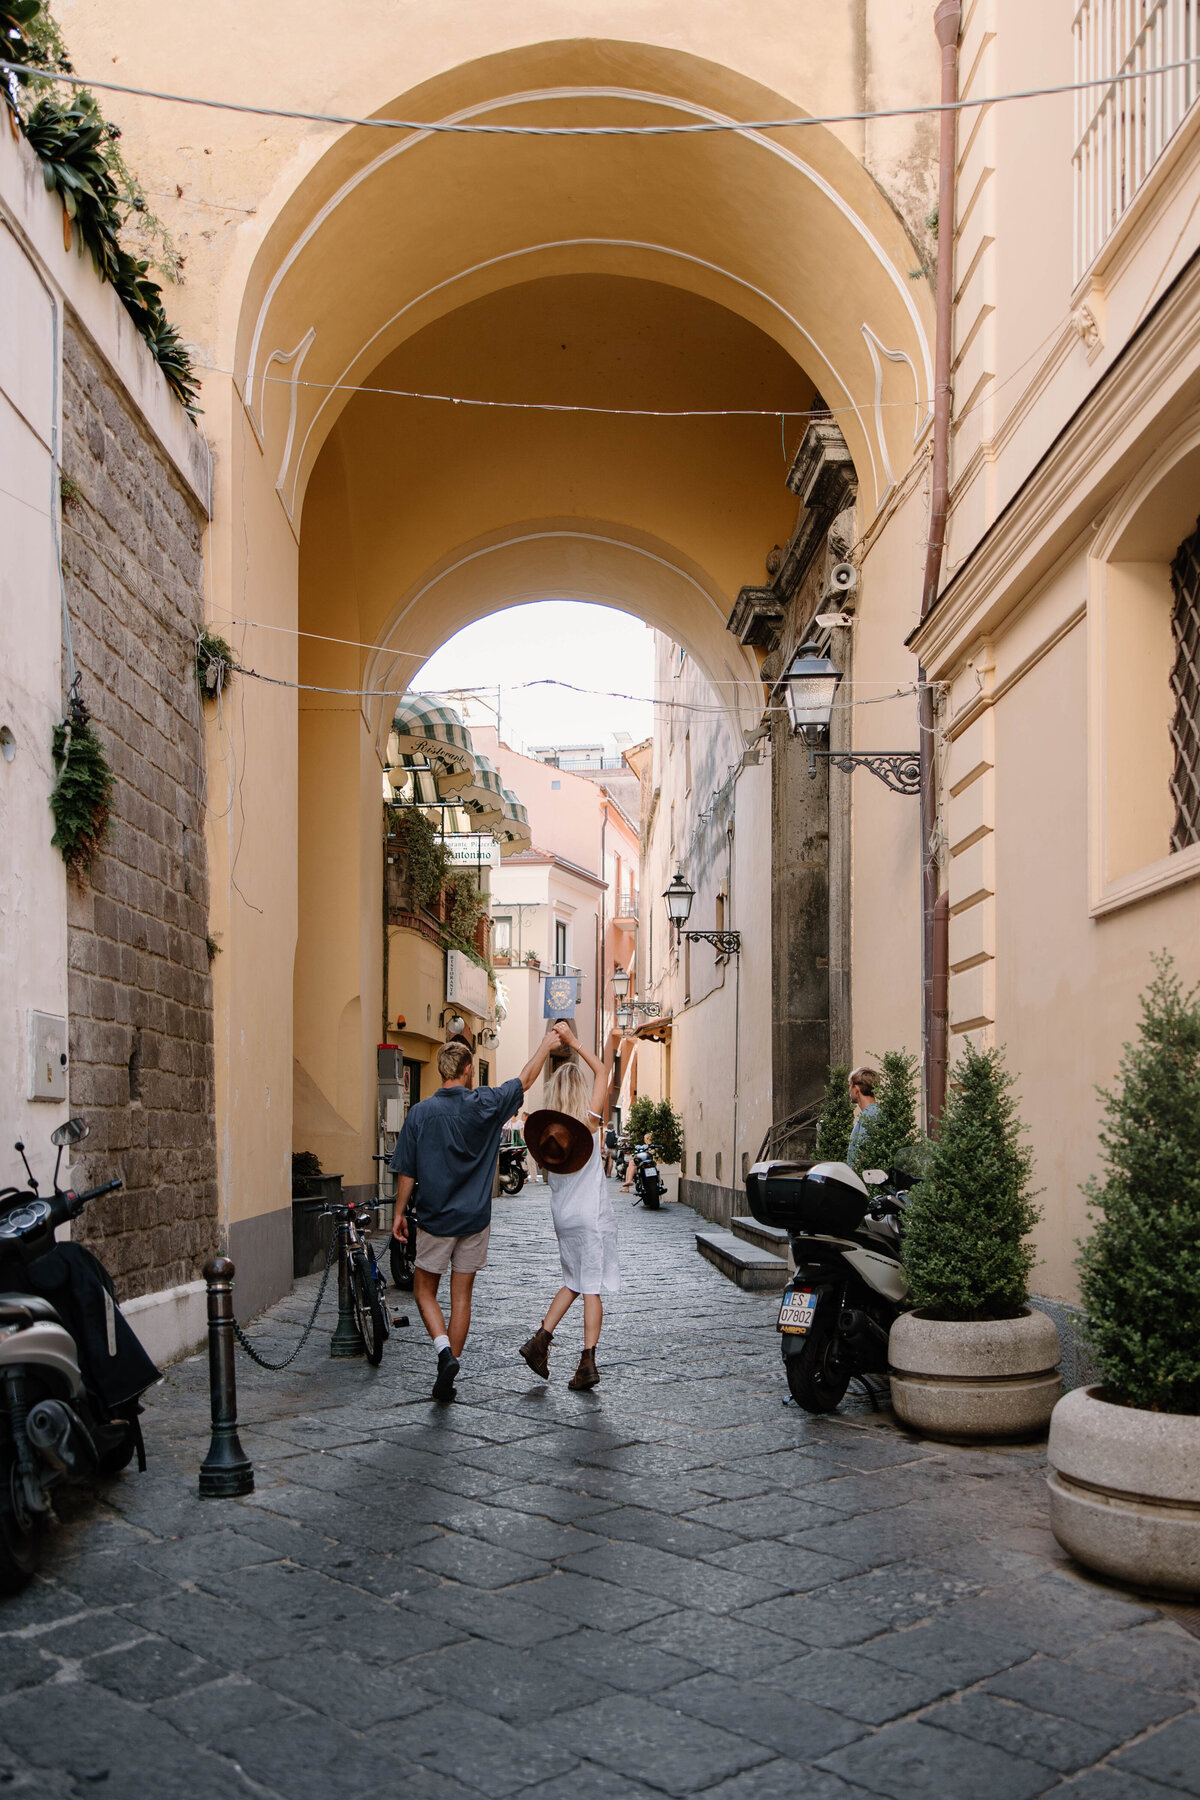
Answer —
699 127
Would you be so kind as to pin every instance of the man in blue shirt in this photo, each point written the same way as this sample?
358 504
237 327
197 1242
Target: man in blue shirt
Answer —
448 1146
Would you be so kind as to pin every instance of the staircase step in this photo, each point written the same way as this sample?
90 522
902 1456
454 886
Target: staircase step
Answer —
766 1237
756 1270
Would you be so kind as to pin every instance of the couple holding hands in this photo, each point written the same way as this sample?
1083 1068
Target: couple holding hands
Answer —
449 1144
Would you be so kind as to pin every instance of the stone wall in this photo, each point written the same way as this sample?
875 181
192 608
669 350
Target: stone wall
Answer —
139 987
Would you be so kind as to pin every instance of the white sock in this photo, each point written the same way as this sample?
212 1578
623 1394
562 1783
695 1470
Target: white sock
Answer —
441 1343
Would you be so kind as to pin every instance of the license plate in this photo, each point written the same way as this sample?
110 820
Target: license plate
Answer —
796 1310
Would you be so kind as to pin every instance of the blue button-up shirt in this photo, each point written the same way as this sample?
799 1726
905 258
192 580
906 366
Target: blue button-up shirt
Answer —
449 1146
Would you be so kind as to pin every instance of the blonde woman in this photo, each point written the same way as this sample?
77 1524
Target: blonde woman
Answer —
579 1204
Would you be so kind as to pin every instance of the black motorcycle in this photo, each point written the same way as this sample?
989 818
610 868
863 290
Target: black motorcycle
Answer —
648 1184
514 1170
71 1370
621 1163
849 1285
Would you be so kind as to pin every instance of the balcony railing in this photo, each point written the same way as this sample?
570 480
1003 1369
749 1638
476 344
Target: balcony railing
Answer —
1123 127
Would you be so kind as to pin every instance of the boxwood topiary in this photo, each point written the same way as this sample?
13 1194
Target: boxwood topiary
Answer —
838 1113
965 1245
892 1138
1141 1267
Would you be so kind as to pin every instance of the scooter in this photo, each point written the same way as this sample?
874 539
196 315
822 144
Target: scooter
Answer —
837 1310
54 1426
648 1184
514 1171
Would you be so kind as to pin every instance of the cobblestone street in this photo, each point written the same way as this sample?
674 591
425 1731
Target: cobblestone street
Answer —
673 1585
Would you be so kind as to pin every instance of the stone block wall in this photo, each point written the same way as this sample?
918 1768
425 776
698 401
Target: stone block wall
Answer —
139 987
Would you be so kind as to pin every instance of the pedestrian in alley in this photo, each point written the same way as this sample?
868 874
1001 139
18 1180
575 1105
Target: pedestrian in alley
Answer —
862 1091
448 1148
565 1139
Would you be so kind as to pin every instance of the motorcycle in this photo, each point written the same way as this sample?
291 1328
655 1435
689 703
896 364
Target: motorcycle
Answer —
71 1370
849 1286
648 1184
622 1157
514 1171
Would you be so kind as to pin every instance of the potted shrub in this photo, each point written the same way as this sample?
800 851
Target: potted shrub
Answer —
532 960
838 1113
972 1360
892 1138
1125 1454
667 1129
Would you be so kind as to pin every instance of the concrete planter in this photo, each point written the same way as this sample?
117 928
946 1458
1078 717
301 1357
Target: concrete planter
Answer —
997 1378
1125 1491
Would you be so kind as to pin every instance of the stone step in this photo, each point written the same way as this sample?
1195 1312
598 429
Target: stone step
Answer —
757 1270
766 1237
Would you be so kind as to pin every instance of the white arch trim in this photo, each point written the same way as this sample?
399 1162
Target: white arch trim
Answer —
345 379
536 96
383 658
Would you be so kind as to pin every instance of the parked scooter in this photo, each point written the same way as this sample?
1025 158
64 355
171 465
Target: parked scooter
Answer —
71 1370
648 1184
514 1170
848 1287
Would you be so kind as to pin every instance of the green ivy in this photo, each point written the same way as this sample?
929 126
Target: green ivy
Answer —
965 1244
77 148
465 906
419 842
838 1113
215 663
1141 1268
82 795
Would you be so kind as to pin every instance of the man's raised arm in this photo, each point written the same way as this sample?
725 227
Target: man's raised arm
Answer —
537 1062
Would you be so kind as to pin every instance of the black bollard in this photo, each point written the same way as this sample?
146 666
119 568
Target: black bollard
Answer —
347 1339
226 1471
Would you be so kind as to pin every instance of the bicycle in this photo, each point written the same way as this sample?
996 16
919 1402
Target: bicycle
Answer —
364 1280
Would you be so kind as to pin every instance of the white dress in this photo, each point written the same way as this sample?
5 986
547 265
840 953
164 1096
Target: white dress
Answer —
586 1227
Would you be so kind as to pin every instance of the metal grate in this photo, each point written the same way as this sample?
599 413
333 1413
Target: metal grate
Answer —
1185 685
1122 128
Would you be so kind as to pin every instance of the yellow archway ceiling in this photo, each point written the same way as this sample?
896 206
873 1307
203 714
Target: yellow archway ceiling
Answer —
387 236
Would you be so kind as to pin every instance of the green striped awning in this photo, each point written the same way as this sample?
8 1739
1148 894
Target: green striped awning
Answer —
412 782
513 830
425 729
483 795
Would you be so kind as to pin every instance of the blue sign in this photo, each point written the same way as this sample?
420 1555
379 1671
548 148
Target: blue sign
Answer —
558 997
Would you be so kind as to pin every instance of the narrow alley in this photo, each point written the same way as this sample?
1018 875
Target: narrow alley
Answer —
603 1596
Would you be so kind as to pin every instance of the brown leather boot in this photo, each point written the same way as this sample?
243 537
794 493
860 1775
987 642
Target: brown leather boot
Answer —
587 1374
536 1351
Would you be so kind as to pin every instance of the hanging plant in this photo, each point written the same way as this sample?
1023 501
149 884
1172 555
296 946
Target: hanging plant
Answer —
82 796
465 906
214 664
417 839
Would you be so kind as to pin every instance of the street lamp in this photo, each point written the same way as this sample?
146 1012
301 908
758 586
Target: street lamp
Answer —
620 982
624 1017
456 1025
679 896
811 682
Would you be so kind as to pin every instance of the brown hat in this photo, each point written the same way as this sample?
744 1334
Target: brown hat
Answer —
558 1143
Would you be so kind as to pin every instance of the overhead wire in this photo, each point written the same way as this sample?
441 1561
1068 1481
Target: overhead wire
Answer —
695 128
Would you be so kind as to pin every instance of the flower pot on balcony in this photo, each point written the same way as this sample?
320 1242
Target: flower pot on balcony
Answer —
1125 1491
976 1379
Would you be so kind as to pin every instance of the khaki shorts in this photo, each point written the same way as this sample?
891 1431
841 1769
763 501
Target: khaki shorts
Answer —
463 1255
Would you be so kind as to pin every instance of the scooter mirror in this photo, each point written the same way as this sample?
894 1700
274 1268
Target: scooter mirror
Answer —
73 1132
875 1177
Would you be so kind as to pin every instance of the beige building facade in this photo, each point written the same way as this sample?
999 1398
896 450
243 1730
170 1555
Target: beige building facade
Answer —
687 291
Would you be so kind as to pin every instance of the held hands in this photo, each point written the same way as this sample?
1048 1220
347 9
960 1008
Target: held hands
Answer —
565 1036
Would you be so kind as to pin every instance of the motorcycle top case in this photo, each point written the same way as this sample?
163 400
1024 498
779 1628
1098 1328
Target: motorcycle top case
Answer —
827 1198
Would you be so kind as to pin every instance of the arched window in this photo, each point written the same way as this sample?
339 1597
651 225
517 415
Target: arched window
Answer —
1185 686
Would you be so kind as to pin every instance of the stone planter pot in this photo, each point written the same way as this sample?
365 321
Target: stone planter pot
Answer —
996 1378
1125 1491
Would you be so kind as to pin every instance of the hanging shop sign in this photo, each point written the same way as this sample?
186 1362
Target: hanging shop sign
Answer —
466 984
558 997
474 851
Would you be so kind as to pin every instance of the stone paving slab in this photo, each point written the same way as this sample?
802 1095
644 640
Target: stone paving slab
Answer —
674 1585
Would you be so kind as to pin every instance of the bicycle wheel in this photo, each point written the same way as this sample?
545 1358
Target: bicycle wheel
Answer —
367 1311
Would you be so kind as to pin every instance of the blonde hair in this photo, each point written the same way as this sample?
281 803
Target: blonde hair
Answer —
569 1091
454 1059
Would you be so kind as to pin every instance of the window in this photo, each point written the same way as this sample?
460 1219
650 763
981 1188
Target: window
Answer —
502 936
560 941
1122 128
556 784
699 1165
484 1074
718 1165
1185 686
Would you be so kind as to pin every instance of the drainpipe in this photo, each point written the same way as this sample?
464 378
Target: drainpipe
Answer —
935 978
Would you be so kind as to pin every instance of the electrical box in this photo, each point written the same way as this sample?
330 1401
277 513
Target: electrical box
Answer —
393 1114
47 1057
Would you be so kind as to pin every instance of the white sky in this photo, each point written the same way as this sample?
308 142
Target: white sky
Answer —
594 647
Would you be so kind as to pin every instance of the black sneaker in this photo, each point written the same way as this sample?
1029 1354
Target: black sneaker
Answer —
447 1369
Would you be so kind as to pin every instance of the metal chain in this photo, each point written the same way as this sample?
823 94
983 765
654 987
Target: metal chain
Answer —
248 1347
